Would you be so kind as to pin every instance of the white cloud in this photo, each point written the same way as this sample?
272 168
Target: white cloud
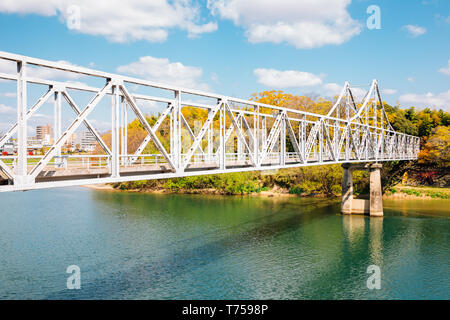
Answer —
303 24
359 93
9 94
334 89
164 71
286 79
415 31
6 109
446 70
442 19
120 21
441 100
389 91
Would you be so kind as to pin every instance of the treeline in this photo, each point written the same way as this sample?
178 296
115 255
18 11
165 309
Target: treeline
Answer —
432 126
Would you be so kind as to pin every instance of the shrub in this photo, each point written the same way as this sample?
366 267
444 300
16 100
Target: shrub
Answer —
297 189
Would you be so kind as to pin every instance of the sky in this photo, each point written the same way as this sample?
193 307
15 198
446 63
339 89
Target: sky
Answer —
239 47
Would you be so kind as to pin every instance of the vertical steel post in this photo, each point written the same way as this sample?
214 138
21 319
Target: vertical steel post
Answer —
240 149
382 133
57 126
348 127
125 133
115 106
375 111
347 142
222 135
336 132
303 138
177 130
321 140
283 141
210 137
256 136
264 132
172 133
122 130
21 169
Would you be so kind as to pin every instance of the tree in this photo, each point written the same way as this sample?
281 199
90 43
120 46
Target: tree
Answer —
437 148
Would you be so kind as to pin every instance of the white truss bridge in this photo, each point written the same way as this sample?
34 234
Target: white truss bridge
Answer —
229 134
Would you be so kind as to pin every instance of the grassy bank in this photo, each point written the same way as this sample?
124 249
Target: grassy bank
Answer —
400 191
314 181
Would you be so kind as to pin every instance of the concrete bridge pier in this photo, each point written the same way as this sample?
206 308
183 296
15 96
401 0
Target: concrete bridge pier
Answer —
372 206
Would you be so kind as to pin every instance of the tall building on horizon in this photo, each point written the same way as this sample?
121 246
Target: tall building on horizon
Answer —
86 140
44 133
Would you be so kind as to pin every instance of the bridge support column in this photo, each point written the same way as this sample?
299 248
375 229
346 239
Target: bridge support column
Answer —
347 190
376 193
372 206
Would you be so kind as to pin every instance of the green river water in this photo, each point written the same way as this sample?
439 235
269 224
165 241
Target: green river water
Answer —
146 246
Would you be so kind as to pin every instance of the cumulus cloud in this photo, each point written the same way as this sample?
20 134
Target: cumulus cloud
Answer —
286 79
120 21
441 100
332 89
303 24
446 70
163 71
415 31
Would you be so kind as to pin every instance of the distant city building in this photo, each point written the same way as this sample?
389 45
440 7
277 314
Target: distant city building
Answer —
44 133
86 140
34 143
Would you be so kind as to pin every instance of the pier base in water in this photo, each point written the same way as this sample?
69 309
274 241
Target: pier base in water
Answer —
372 206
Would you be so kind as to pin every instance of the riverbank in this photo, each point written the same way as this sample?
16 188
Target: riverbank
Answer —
409 192
209 191
397 192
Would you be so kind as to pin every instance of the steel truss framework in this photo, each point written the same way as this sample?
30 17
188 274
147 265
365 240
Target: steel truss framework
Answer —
235 135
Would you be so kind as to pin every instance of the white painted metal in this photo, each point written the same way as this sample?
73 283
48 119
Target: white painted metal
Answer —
57 122
350 132
21 170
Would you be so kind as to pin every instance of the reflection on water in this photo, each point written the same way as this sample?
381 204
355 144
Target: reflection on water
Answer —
355 231
132 246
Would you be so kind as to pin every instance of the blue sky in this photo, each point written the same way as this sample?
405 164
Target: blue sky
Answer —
239 47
